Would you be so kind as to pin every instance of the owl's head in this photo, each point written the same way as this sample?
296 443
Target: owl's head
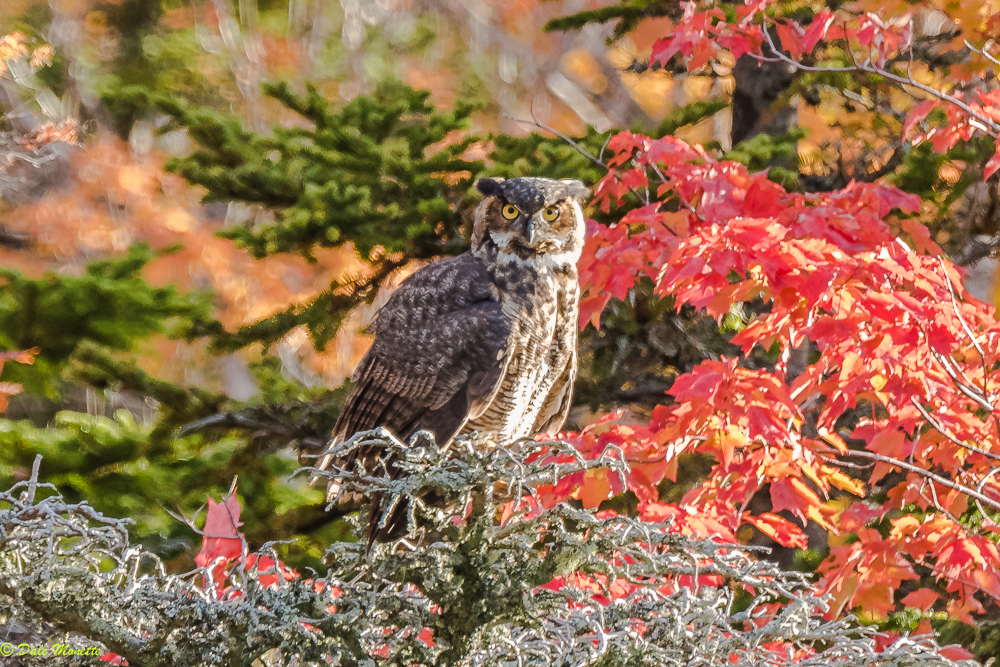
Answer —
528 217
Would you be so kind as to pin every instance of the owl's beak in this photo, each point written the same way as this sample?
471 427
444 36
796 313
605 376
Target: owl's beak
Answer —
529 232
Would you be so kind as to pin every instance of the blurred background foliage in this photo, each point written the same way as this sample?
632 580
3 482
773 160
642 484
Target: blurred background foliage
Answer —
204 202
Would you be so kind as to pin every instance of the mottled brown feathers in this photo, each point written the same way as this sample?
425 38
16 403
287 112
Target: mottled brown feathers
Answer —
485 341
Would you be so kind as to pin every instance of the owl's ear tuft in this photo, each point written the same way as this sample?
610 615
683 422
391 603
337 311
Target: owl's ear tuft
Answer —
489 186
576 189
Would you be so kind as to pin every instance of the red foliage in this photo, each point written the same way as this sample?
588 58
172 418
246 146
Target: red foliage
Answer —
896 333
701 35
223 546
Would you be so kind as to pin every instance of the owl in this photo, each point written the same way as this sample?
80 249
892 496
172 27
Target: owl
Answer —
483 342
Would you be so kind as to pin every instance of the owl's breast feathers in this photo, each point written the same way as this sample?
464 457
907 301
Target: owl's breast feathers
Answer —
540 302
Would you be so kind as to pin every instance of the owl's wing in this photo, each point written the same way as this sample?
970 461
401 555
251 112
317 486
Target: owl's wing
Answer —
438 356
557 403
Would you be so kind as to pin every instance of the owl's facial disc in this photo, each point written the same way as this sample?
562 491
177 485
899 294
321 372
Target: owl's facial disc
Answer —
531 216
549 228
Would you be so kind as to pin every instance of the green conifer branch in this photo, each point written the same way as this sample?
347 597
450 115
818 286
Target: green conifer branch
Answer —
373 173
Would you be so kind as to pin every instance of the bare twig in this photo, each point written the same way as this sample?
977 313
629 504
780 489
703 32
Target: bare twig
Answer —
982 122
943 481
937 426
562 136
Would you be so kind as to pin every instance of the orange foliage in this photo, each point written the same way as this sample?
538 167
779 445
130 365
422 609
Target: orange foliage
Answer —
8 389
117 197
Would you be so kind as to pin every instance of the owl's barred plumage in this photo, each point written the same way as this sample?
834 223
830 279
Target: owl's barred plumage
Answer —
485 341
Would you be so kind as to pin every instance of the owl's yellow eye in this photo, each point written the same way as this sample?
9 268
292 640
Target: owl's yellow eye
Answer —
510 211
550 214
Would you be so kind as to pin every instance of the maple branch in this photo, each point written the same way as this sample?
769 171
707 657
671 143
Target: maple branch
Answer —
746 502
968 332
944 481
687 204
600 156
983 52
849 464
935 502
954 303
596 160
940 429
985 124
980 487
952 369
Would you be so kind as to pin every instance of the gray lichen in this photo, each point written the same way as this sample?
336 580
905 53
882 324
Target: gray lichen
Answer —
475 582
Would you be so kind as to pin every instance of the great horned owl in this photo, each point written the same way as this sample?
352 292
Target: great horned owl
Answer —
485 341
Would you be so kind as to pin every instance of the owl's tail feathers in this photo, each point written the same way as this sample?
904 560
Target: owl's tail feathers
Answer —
343 459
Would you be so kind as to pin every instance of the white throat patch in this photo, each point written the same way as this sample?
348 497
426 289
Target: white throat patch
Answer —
501 238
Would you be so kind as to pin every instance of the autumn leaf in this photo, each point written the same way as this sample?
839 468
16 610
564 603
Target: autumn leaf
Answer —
591 308
956 653
921 235
8 389
594 489
730 441
922 599
919 112
793 495
817 30
19 356
780 530
222 542
992 165
792 37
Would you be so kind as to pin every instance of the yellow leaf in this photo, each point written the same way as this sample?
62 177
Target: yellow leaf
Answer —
595 489
849 364
844 593
810 472
834 440
729 441
844 482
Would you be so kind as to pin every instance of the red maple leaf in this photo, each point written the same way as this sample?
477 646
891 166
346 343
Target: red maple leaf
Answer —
222 542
